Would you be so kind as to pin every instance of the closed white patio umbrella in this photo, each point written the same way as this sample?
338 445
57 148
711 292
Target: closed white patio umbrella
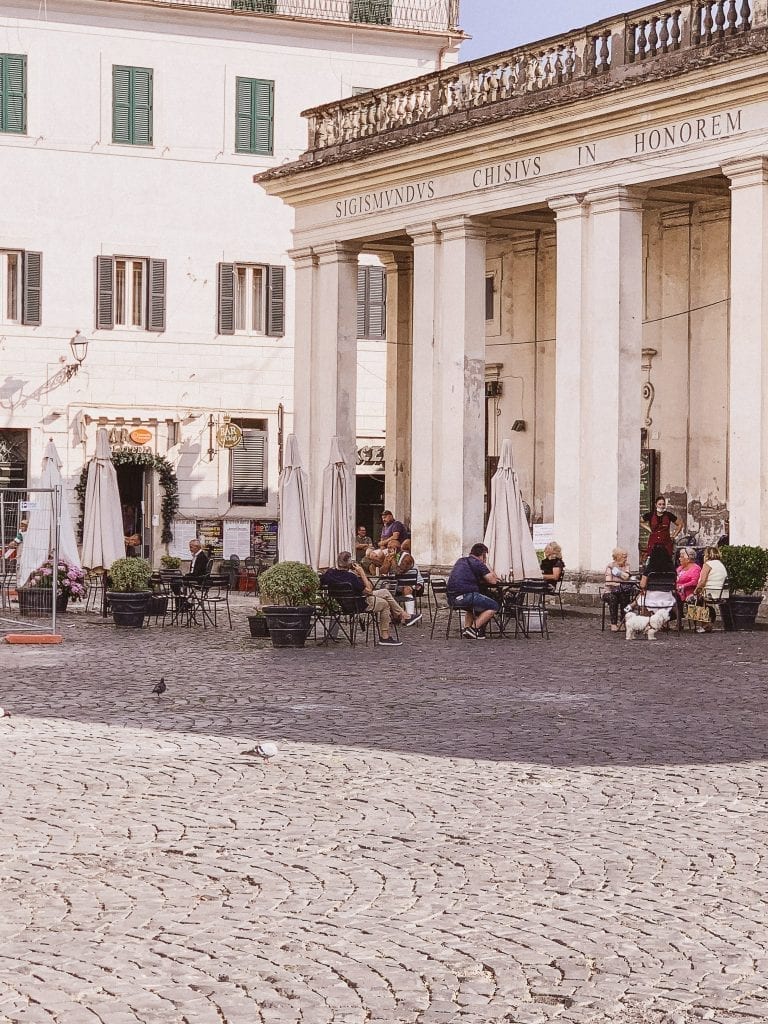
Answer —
507 535
103 541
40 538
294 541
337 532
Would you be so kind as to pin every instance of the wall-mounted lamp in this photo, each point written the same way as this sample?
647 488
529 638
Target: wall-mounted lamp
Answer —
518 425
78 343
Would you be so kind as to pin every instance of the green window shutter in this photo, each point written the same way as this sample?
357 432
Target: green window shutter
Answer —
249 469
377 303
275 302
13 93
132 106
254 116
105 288
362 291
371 303
157 286
225 314
142 106
374 12
31 288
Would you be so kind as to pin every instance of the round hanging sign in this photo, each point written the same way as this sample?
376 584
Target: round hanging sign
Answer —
141 435
229 435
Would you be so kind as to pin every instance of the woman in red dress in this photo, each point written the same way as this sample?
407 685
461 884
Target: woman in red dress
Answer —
660 523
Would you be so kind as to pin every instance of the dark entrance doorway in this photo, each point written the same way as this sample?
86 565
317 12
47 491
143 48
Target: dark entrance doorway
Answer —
370 503
14 458
130 481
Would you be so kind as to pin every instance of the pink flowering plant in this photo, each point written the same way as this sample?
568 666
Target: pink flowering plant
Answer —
71 579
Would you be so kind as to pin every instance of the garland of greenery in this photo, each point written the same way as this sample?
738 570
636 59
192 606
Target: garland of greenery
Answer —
168 481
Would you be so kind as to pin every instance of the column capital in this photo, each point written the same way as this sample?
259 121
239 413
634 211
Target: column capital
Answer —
568 206
423 234
394 261
452 228
616 198
337 252
752 170
303 257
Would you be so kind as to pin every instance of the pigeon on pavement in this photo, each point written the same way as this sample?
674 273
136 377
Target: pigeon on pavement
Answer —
4 713
160 687
265 750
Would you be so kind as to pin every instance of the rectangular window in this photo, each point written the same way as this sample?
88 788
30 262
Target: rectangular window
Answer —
251 299
130 293
248 470
372 303
132 106
254 116
375 12
20 287
493 281
13 93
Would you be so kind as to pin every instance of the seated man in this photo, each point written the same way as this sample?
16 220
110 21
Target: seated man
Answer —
392 529
464 583
400 562
348 572
198 567
362 543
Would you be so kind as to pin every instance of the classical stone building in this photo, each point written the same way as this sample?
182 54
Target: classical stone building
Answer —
129 136
576 236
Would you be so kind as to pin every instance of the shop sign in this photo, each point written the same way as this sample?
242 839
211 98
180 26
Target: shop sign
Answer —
371 455
141 435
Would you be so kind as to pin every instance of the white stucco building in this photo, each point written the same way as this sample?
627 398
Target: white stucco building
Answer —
130 133
576 235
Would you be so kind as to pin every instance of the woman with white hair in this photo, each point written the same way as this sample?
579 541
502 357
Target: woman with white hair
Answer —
618 585
688 572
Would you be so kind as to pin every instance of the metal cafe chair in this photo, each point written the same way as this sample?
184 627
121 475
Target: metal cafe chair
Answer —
439 588
346 610
529 607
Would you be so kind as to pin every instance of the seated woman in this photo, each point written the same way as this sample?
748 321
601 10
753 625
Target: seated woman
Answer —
552 565
618 585
688 572
711 583
659 572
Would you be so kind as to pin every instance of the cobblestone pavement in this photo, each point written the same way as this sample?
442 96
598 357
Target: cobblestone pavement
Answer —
515 831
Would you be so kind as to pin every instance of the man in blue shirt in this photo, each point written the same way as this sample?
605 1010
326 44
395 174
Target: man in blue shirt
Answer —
468 575
381 602
391 530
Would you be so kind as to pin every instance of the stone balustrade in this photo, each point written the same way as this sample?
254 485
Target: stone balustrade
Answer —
608 47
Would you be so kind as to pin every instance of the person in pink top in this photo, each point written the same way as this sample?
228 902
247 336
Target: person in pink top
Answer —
688 573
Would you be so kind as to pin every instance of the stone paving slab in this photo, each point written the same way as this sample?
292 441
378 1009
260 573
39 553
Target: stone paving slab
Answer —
483 833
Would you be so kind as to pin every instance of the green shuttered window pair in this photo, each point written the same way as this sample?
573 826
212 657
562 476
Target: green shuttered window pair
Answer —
13 93
132 106
130 293
231 301
254 116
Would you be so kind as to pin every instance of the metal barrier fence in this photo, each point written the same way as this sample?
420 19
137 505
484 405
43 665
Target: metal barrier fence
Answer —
29 605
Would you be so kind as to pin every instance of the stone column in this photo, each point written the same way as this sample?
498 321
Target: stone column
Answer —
612 377
748 330
572 336
459 465
333 403
424 396
397 494
305 269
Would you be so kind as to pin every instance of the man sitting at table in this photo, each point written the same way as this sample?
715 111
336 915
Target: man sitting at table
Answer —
467 578
392 529
400 562
349 573
198 567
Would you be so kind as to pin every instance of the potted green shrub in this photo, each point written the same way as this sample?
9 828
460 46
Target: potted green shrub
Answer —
128 590
747 568
288 593
257 623
170 562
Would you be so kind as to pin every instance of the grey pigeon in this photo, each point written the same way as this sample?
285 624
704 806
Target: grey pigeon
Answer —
4 713
160 687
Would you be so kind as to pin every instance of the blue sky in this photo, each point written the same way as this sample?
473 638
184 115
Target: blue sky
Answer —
501 24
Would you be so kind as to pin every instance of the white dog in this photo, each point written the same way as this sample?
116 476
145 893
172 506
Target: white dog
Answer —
637 624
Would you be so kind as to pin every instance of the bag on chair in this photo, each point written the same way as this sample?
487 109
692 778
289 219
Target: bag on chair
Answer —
696 610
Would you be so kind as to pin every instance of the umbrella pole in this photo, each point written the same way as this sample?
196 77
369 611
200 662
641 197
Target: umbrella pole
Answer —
55 497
